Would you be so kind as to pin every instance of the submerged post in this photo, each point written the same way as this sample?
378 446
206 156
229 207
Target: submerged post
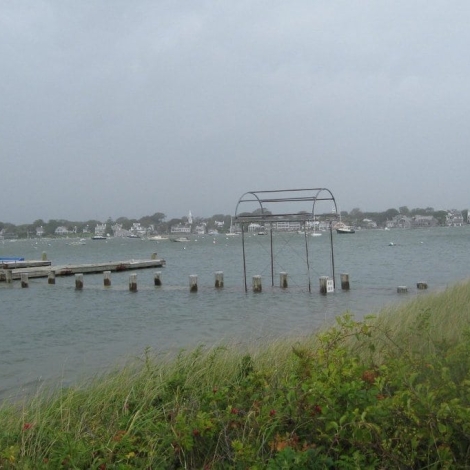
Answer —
193 283
44 256
257 287
51 277
133 282
107 278
79 281
24 280
219 279
157 280
283 280
323 284
154 256
345 281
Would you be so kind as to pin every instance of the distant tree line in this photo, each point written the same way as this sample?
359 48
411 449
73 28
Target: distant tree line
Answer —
161 225
157 221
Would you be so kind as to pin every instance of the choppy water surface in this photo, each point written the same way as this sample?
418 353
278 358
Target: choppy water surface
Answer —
53 332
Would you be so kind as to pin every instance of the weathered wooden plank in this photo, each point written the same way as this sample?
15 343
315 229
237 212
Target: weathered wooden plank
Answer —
35 271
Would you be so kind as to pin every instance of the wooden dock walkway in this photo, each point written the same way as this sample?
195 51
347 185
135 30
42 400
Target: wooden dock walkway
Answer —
42 268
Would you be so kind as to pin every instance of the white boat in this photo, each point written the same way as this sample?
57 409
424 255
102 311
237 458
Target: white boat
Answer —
158 237
180 239
343 228
81 242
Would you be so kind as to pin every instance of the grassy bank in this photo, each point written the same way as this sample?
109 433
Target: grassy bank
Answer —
391 391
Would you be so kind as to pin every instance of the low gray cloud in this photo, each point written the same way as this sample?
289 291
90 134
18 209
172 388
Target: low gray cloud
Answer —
113 108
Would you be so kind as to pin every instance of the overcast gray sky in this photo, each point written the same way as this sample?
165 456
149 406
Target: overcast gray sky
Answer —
126 108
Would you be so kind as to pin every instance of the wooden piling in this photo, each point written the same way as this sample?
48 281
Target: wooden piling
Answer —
257 287
345 281
422 285
8 276
24 280
107 278
402 289
283 280
327 285
79 281
219 279
157 279
154 256
133 282
51 277
193 283
44 256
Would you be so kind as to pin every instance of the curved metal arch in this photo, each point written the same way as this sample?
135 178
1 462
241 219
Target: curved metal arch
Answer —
294 196
259 197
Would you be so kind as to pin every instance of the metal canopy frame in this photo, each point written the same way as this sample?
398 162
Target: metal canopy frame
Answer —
296 205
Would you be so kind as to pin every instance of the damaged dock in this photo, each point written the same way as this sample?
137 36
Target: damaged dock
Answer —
35 269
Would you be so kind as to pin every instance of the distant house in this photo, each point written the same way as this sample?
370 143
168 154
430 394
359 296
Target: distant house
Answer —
286 226
254 227
454 218
424 221
61 230
138 230
39 231
400 221
181 228
369 223
100 229
200 229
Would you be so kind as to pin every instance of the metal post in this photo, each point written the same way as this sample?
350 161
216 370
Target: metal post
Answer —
308 262
244 256
272 256
332 256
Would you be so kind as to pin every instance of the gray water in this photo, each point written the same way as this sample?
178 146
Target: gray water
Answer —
56 334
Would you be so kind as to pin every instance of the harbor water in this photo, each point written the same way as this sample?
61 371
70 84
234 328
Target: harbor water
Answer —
56 334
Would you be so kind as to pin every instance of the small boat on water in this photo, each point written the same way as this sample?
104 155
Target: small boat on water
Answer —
80 242
98 237
180 239
343 228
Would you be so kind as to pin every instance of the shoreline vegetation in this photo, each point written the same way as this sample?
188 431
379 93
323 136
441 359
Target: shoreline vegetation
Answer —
389 391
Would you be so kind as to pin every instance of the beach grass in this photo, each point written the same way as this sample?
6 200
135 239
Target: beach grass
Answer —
389 391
